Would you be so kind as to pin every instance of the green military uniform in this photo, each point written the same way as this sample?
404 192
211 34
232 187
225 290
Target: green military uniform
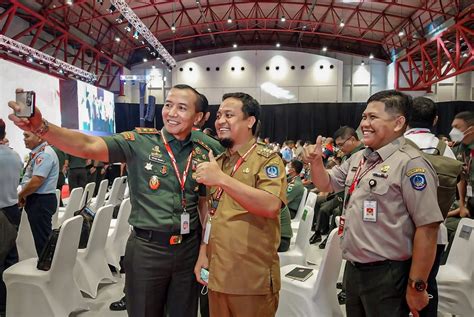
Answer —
294 193
286 231
77 174
61 158
159 262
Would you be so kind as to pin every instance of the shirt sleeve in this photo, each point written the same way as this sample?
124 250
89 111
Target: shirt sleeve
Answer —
338 175
272 177
43 163
120 146
419 191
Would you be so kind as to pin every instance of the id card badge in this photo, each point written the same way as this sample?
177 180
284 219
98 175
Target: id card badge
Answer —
370 211
184 223
469 191
207 232
342 221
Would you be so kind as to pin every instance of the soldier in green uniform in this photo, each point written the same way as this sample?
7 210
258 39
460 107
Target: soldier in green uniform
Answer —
75 168
164 244
295 189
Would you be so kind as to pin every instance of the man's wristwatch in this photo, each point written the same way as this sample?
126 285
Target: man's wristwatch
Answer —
417 284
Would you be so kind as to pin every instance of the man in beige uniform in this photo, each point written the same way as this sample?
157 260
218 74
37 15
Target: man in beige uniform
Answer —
391 215
247 189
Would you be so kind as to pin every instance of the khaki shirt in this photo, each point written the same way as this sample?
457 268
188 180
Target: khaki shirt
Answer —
405 193
147 160
242 248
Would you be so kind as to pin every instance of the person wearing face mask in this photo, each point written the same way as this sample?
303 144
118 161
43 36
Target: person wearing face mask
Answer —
295 188
463 134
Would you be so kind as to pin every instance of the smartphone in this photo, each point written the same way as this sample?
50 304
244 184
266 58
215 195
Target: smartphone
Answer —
26 100
205 275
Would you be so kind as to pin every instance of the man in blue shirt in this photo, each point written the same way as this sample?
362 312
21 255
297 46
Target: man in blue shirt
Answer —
38 193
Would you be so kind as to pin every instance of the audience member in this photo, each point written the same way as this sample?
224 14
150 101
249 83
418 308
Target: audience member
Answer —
380 232
38 188
286 231
298 150
247 191
75 168
287 151
295 189
10 169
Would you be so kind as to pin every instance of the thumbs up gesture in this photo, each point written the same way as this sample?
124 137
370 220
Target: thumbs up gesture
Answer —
209 173
314 153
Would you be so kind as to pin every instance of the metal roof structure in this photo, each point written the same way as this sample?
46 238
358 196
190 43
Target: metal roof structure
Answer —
96 36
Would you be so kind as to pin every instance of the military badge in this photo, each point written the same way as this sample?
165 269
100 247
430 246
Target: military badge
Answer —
129 136
385 168
272 171
246 170
154 182
164 170
148 166
418 181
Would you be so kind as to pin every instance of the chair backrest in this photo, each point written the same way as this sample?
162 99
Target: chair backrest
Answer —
54 220
325 290
66 248
311 199
121 191
73 204
25 242
100 198
99 230
304 229
122 227
462 250
299 212
114 191
87 194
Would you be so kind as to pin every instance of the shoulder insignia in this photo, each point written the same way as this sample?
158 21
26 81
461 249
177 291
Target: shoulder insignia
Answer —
418 181
263 151
129 136
204 145
272 171
416 170
142 130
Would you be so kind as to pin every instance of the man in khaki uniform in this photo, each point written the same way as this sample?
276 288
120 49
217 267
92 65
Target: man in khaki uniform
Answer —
247 189
391 216
164 245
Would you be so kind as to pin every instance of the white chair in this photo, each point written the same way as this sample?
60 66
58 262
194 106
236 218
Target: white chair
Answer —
311 202
299 212
317 296
297 252
32 292
25 242
91 265
87 194
54 219
114 191
73 206
118 235
456 278
99 200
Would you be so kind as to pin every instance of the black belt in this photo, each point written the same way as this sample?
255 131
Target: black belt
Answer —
375 264
162 237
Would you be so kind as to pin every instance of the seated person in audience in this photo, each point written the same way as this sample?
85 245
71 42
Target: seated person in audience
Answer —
328 150
286 232
298 150
287 151
295 188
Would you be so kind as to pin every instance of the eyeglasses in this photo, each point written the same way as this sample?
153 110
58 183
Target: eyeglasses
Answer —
342 144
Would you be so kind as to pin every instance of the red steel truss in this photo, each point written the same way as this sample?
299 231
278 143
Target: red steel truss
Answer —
448 54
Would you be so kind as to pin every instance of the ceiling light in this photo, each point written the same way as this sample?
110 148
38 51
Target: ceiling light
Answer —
145 60
342 24
282 19
173 28
143 42
401 33
465 54
119 19
69 2
189 51
371 56
117 39
325 48
153 53
229 20
61 71
304 27
277 44
111 9
101 2
135 35
30 59
153 66
235 45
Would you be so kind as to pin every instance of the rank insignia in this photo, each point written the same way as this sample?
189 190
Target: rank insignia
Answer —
156 158
272 171
128 136
154 182
246 170
164 170
417 170
148 166
385 168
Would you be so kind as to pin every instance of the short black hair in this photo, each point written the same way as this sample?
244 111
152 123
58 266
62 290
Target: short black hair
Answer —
2 129
423 113
345 132
297 165
467 116
201 101
250 107
395 102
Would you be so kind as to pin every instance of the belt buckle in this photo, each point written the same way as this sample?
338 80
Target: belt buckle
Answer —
176 239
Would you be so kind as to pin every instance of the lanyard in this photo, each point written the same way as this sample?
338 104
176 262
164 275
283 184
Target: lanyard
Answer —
181 180
421 131
220 191
357 177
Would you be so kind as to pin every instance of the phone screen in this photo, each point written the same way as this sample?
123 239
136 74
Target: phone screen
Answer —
26 101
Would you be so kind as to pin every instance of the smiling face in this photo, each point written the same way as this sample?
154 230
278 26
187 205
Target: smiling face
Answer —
380 127
179 112
233 129
31 140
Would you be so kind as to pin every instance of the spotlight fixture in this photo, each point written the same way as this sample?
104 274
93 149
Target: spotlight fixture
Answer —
325 48
111 9
119 19
101 2
189 51
30 59
145 59
465 54
371 56
128 28
173 28
277 44
153 54
135 35
282 19
69 2
401 33
229 20
117 39
143 42
61 71
342 24
235 45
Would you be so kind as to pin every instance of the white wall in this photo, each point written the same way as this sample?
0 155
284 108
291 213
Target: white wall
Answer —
46 87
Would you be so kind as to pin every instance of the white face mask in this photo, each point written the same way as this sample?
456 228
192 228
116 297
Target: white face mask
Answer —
287 169
456 135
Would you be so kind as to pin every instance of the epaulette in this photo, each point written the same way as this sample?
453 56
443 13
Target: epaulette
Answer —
204 145
264 151
261 143
142 130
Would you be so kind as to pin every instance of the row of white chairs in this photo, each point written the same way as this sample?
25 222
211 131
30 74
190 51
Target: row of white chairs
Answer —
56 292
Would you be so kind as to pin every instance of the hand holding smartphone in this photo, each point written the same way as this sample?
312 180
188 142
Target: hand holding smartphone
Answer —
26 100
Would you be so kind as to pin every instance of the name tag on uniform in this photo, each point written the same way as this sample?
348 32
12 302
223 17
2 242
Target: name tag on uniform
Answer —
469 191
207 233
370 211
184 223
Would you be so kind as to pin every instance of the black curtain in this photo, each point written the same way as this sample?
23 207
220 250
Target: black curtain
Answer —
303 121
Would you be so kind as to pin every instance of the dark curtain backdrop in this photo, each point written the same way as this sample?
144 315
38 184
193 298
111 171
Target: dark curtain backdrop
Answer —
296 121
